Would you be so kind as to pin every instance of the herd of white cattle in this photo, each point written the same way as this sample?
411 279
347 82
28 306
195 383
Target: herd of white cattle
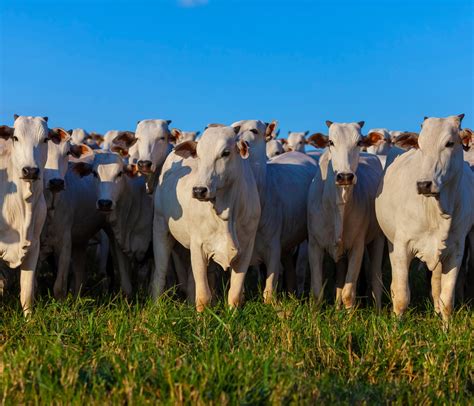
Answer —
239 196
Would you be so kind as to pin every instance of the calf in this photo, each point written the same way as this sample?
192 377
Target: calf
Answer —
341 214
207 200
424 207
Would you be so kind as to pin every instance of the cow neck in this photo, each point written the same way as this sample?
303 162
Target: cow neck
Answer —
152 180
258 163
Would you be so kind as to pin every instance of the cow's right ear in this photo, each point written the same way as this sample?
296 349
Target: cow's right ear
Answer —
6 132
176 134
186 149
82 168
271 128
466 135
318 140
125 139
58 135
407 140
80 150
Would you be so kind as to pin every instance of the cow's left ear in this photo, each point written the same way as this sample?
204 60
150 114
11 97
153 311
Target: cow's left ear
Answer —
79 150
176 134
466 135
186 149
243 148
58 135
6 132
407 140
271 127
319 140
131 170
371 138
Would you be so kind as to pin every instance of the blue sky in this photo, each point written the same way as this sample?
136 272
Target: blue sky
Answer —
104 65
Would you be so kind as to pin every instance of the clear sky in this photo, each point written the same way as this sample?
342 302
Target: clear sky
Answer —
104 65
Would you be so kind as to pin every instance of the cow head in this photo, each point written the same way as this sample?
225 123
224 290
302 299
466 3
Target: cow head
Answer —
29 137
152 138
381 147
344 143
58 159
441 142
109 171
219 152
256 133
274 148
296 141
78 136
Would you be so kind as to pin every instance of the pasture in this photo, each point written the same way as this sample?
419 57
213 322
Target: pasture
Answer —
109 350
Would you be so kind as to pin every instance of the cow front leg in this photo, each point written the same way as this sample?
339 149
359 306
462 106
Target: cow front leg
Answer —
289 273
302 264
78 263
316 256
353 269
436 286
341 271
376 257
27 279
449 275
162 245
199 267
64 260
273 263
400 258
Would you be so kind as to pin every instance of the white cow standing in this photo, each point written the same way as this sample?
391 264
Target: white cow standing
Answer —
283 184
23 205
341 213
424 207
207 200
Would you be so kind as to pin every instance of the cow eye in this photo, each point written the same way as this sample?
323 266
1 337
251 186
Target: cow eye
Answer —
277 153
331 144
46 140
225 153
161 138
119 174
450 144
14 138
359 144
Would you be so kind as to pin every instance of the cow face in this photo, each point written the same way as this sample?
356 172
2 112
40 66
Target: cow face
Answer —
296 141
152 138
256 133
219 153
274 148
29 138
344 142
440 142
109 172
382 147
58 159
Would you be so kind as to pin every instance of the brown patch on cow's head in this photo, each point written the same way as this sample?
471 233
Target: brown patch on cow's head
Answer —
467 136
243 148
372 138
318 140
407 140
186 149
6 132
125 139
79 150
271 128
58 135
82 168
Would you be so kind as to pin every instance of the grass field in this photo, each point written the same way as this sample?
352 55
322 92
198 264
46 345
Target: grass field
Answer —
110 351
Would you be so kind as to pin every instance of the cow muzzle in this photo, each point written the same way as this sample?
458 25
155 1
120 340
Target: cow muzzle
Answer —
30 173
56 185
144 167
427 188
345 179
201 193
104 205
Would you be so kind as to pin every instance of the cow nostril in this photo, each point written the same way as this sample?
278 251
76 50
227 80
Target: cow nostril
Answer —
144 164
424 187
104 204
29 172
345 177
199 192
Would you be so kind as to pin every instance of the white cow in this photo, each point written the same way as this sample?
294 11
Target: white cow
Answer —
23 205
207 200
179 136
296 141
424 207
120 196
283 184
341 214
274 148
78 136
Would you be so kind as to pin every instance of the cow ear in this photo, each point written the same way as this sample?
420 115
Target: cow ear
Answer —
271 128
407 140
45 118
372 138
70 131
236 129
176 134
15 116
361 123
169 122
79 150
186 149
82 168
124 140
197 133
131 170
58 135
328 123
123 152
306 133
466 135
243 148
318 140
6 132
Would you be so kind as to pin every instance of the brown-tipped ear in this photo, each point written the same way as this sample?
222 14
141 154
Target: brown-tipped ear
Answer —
131 170
15 116
176 134
425 118
6 132
236 129
271 128
318 140
466 135
79 150
243 148
328 123
58 135
123 152
82 168
361 123
461 116
45 118
407 140
186 149
169 122
372 138
124 140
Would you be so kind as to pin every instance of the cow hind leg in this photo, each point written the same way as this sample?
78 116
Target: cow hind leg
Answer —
448 285
64 259
162 245
316 257
376 256
302 265
78 263
341 271
290 273
436 286
272 263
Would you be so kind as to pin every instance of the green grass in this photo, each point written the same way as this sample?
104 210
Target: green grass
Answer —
109 351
